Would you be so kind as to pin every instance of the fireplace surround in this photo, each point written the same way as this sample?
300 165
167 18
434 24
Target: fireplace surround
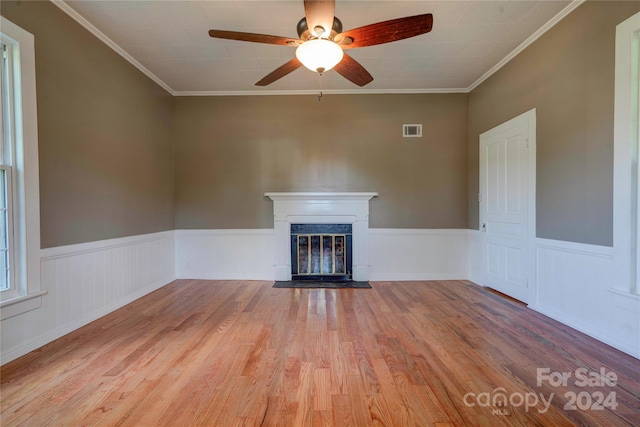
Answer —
321 208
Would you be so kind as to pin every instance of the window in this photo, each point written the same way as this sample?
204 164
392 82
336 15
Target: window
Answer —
20 287
626 193
7 284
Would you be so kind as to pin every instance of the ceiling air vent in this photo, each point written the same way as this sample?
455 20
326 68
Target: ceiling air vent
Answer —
412 131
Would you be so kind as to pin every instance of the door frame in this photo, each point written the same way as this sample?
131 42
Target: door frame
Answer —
530 243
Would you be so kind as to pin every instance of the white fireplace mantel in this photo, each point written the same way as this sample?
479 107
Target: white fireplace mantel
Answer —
321 208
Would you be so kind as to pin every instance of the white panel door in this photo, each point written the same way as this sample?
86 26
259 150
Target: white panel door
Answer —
504 205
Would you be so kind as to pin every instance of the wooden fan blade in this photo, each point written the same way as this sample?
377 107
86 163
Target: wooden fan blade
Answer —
351 70
251 37
319 13
387 31
280 72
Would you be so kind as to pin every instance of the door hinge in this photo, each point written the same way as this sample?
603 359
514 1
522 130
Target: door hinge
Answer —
479 197
527 142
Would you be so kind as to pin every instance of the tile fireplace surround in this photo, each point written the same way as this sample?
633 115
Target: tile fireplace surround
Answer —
321 208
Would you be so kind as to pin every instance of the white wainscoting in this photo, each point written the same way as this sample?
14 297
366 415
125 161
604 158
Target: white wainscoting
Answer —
476 256
87 281
394 254
418 254
574 286
225 254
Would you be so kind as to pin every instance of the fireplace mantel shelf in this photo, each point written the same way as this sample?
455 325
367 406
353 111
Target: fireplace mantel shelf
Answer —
322 196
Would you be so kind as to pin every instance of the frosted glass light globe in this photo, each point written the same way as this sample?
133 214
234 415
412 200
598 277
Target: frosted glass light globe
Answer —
319 55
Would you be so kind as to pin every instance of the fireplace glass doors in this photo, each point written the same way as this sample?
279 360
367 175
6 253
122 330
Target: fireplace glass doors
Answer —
321 251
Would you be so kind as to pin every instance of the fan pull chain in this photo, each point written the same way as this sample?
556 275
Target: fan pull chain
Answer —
320 87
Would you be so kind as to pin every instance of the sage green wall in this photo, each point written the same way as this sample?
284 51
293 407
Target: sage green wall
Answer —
568 76
106 155
231 150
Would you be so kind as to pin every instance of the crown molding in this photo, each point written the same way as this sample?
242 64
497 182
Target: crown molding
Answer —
113 45
319 92
525 44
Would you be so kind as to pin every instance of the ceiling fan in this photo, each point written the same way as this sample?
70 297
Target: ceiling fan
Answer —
322 42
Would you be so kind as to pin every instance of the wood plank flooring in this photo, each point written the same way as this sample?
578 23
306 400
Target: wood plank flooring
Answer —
235 353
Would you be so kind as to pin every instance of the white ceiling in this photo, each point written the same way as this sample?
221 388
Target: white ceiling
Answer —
169 41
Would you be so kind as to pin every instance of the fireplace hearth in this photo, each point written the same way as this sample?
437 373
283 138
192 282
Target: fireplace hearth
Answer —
321 252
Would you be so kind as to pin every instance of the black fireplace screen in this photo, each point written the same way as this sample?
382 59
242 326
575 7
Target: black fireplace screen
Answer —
321 251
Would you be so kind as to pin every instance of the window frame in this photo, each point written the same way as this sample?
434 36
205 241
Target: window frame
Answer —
12 290
626 188
24 176
6 164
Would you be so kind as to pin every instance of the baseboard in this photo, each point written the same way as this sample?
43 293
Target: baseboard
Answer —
394 254
238 254
87 281
63 330
418 254
414 277
578 324
574 285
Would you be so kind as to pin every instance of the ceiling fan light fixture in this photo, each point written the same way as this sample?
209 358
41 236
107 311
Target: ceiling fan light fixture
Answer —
319 55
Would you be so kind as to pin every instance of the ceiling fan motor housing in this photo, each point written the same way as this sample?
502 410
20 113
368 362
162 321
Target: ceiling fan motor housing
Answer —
321 48
305 34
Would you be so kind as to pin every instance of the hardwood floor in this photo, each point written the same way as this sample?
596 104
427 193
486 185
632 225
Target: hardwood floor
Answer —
243 353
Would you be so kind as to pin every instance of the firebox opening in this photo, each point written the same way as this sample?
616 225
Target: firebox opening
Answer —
321 252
